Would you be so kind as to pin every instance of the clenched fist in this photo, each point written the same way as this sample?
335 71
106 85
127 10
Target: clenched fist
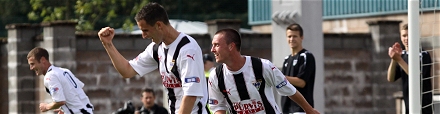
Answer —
106 35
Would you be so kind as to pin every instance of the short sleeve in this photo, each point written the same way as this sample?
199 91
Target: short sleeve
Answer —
216 99
275 78
144 63
191 72
55 88
308 68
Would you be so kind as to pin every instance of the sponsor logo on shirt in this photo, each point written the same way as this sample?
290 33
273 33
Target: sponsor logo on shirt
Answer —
137 58
170 81
47 78
282 84
257 83
213 101
192 57
53 90
192 80
248 108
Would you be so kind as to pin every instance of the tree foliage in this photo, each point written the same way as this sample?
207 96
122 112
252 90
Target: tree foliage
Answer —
90 14
95 14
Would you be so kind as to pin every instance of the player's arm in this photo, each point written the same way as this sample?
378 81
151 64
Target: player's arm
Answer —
187 104
190 64
299 99
306 71
220 112
297 82
276 78
391 74
395 53
217 102
54 105
56 90
119 62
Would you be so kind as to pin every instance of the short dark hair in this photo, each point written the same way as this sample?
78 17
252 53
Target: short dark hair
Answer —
295 27
148 90
207 57
37 53
405 27
231 35
151 13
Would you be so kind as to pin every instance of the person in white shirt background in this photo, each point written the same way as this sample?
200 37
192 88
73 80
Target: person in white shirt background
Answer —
65 89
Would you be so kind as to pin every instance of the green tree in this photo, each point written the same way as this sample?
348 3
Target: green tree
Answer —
12 11
90 14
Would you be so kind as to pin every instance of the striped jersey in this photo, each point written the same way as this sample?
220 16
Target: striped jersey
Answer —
242 89
189 63
62 85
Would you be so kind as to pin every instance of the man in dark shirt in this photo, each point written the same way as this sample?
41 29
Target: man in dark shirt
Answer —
399 69
149 107
299 69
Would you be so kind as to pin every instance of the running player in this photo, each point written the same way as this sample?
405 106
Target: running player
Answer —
65 89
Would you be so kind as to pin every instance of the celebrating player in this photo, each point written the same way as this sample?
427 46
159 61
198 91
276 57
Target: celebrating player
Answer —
65 89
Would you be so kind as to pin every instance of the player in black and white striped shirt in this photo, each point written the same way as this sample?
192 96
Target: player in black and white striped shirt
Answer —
246 81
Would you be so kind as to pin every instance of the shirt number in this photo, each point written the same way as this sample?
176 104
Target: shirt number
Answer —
67 75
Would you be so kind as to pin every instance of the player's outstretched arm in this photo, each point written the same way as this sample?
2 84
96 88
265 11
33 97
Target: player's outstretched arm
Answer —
54 105
301 101
119 62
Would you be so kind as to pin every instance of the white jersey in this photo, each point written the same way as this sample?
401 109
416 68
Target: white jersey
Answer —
62 85
250 101
189 64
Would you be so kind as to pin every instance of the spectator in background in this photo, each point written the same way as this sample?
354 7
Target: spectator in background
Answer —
148 106
399 69
299 69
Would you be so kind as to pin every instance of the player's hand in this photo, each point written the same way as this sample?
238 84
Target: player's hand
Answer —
395 51
43 107
59 111
106 35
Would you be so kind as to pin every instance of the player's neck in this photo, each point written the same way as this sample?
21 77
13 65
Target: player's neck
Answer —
296 50
170 35
236 64
46 68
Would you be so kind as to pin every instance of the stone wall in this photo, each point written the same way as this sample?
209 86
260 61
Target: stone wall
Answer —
350 85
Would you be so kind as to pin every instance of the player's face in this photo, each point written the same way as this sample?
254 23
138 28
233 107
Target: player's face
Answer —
149 32
220 48
147 99
294 39
404 37
36 66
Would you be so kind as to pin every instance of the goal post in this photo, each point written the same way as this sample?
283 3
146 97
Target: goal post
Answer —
414 59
